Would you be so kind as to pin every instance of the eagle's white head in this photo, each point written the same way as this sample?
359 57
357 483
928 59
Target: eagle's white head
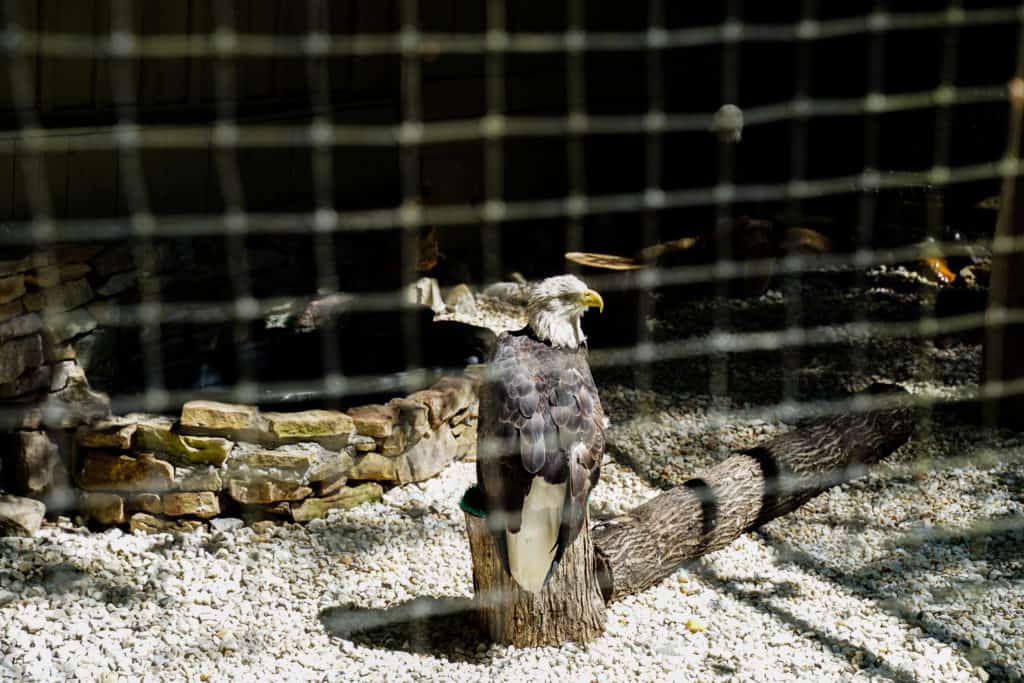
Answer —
556 306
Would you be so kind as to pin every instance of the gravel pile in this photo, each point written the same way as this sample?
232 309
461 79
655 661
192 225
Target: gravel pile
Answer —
914 573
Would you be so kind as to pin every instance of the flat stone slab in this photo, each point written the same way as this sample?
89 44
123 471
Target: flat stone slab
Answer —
114 432
19 355
109 472
348 497
198 478
216 415
11 288
266 491
291 457
308 424
22 326
155 433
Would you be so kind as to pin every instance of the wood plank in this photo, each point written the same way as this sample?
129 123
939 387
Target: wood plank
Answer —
342 22
25 14
107 70
93 183
177 179
377 74
7 161
67 83
290 75
203 84
164 81
40 183
256 74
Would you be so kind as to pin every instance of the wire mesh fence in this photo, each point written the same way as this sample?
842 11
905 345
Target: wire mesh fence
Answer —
257 158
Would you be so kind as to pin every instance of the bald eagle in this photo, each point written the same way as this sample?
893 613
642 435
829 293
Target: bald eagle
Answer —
541 432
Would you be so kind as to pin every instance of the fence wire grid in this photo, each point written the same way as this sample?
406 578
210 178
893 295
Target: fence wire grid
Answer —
215 43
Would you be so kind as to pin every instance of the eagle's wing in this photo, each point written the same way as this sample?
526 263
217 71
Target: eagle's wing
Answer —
540 417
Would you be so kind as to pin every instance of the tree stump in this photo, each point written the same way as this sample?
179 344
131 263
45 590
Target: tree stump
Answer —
569 607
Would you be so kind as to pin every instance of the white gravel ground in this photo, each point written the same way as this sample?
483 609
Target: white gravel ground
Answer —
914 573
847 589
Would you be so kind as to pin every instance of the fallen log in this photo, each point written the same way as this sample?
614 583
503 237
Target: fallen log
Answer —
640 548
636 550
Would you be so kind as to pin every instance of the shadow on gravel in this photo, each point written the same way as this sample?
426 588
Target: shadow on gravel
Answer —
867 585
439 627
48 568
761 599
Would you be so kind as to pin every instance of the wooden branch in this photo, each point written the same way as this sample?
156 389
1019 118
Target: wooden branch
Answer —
1003 361
569 607
637 550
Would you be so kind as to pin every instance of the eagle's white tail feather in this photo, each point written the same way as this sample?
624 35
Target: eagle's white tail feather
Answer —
531 550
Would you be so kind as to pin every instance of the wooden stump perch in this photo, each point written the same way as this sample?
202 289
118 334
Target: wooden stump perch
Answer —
570 607
632 552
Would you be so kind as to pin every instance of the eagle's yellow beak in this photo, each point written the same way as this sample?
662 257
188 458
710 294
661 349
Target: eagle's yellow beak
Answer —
591 299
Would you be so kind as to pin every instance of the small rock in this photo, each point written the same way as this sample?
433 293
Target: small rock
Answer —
223 524
20 516
426 292
264 526
374 467
103 508
373 420
145 502
75 403
199 504
35 460
728 123
150 524
460 299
